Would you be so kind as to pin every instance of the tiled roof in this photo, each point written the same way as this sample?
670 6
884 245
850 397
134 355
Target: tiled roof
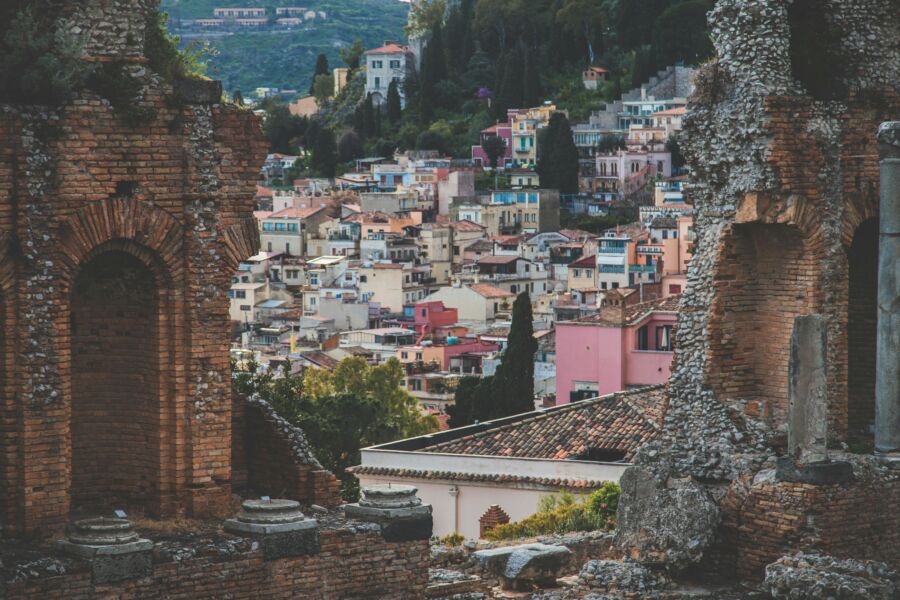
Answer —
585 261
621 422
678 110
388 49
480 246
664 223
498 260
489 291
321 359
466 225
577 234
553 482
636 312
294 213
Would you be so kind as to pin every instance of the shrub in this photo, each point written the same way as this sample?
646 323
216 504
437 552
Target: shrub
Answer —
454 539
563 513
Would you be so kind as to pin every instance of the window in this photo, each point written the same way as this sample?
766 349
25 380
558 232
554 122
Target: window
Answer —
659 166
665 234
245 307
378 83
268 246
240 294
363 279
245 279
312 301
577 272
642 338
415 385
664 338
287 248
377 64
602 285
424 312
615 285
418 356
674 288
404 355
395 64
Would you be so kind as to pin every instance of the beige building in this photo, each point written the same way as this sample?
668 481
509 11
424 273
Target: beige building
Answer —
394 285
285 231
476 303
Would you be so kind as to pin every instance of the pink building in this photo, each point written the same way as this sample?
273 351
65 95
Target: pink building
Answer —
431 316
620 347
501 130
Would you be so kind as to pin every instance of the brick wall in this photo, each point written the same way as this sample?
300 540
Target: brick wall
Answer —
273 458
115 386
175 193
764 278
349 566
762 522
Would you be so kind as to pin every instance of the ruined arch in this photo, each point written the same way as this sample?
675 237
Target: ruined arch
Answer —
123 288
764 275
862 316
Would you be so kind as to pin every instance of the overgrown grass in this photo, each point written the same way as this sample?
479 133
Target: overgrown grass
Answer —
564 513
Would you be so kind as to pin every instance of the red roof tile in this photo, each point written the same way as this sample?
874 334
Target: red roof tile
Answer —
489 291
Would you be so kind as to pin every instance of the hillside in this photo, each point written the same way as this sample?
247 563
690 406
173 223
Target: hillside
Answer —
286 59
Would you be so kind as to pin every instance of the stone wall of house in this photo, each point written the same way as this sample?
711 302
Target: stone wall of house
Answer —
117 240
785 187
353 561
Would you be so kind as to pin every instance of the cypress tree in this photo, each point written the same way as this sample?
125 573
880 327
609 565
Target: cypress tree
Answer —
324 153
558 156
531 83
513 385
394 109
368 117
321 69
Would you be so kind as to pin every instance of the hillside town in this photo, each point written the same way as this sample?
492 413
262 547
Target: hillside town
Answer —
590 301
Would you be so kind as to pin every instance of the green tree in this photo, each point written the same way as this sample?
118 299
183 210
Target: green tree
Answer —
585 19
349 146
322 68
368 117
513 385
679 33
282 129
352 54
423 15
323 88
341 412
674 147
470 401
324 153
394 109
384 148
237 98
494 147
558 156
431 140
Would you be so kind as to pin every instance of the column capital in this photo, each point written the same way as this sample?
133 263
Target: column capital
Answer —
888 137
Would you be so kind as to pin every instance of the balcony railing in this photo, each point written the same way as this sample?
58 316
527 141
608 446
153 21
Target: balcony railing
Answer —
611 250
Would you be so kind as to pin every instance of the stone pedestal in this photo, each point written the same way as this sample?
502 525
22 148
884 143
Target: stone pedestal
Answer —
281 527
525 567
396 509
887 377
113 548
807 460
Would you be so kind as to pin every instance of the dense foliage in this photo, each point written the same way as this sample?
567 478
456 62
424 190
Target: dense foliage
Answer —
510 390
343 411
286 59
558 161
564 513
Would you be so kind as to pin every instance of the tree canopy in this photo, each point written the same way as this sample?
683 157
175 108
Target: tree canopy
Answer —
343 411
558 156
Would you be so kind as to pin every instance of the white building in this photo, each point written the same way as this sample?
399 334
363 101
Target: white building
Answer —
391 62
516 461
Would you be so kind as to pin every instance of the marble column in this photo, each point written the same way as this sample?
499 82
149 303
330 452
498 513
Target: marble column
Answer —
887 379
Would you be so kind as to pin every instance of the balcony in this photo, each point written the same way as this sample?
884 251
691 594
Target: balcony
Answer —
611 250
642 268
612 268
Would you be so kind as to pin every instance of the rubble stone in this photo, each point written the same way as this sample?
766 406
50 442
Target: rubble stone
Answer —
619 576
669 523
526 566
815 576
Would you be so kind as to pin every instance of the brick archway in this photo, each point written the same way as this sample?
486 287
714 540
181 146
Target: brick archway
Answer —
122 288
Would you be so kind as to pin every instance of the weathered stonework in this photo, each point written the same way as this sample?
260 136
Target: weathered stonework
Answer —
785 186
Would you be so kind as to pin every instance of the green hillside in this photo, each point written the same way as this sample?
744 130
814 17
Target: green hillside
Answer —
286 59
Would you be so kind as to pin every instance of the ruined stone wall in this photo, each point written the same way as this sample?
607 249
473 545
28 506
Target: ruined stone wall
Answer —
781 183
353 563
781 141
174 191
270 457
767 519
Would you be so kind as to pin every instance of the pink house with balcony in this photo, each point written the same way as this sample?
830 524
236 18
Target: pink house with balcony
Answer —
621 346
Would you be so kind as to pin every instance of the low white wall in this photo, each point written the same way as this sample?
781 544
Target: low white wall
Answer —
458 505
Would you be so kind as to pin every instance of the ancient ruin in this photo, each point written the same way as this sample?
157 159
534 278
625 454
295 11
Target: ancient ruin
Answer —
778 465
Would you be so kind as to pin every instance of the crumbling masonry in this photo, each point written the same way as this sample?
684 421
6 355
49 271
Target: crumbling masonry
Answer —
118 239
781 138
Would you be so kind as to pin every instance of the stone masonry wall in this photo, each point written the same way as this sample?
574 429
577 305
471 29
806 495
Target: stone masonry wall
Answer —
174 191
354 563
785 186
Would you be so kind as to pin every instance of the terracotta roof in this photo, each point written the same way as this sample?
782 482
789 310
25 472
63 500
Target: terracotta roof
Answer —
585 261
481 246
664 223
388 49
498 260
552 482
636 312
616 422
294 213
489 291
678 110
387 266
321 359
597 69
466 225
577 234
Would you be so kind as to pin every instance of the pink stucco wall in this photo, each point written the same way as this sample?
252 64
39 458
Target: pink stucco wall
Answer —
609 356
